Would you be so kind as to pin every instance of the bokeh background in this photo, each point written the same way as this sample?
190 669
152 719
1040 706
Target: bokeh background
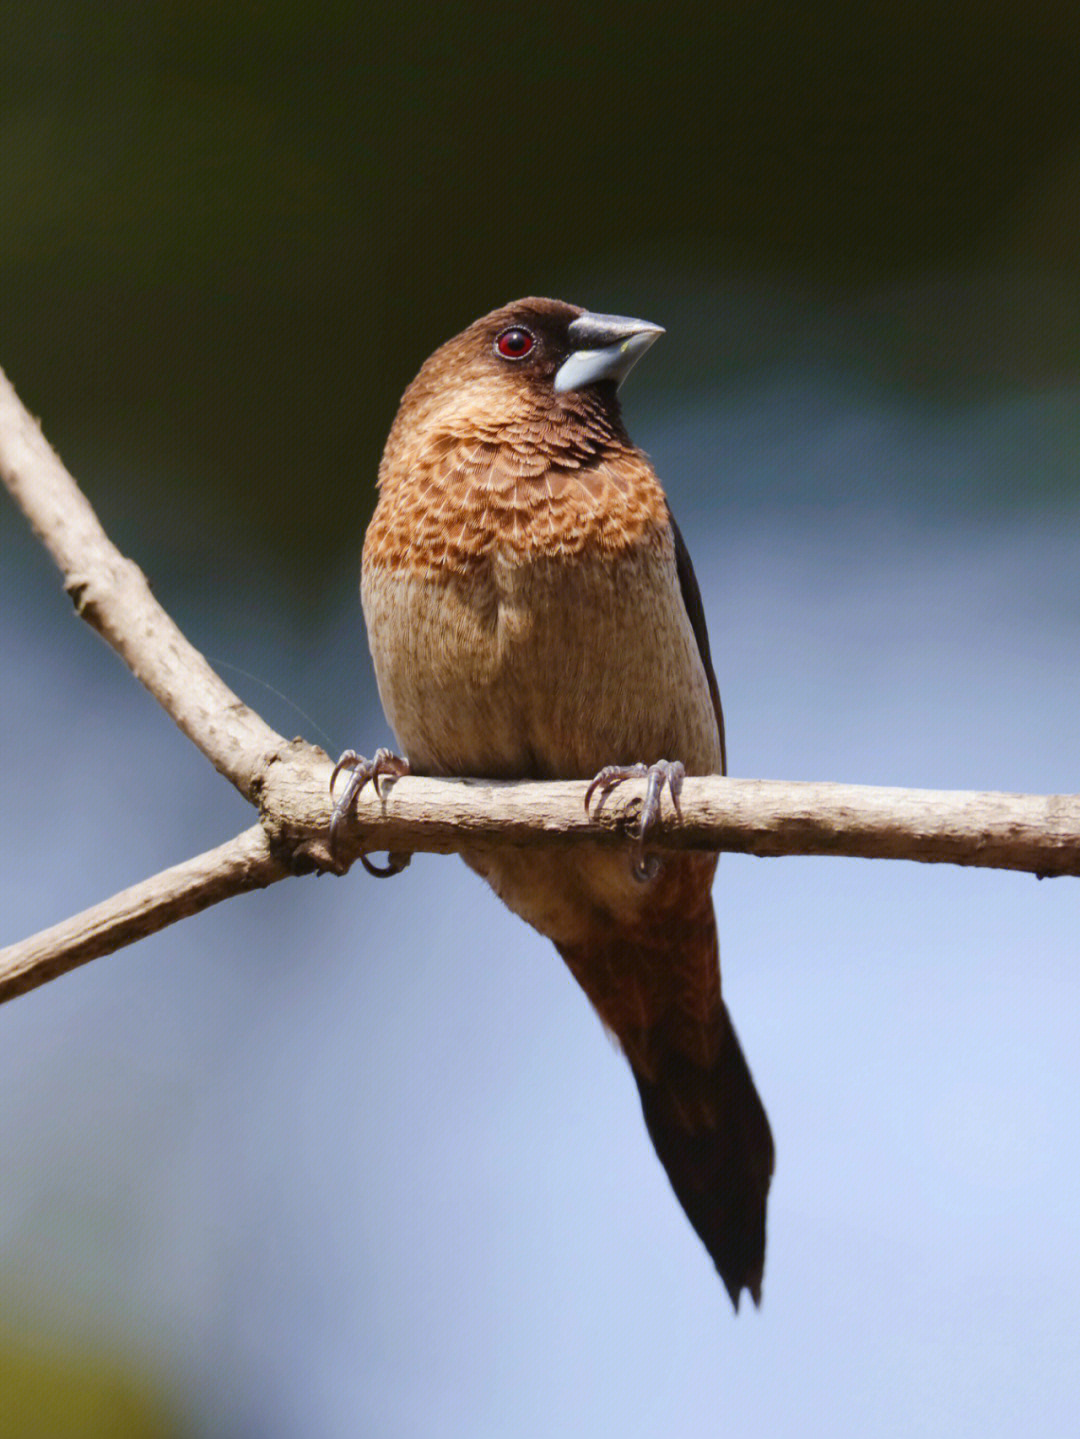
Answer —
352 1159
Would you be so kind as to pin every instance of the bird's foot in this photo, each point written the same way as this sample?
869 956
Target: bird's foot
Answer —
663 772
383 762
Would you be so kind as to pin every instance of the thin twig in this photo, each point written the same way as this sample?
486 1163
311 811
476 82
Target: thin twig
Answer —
243 863
110 592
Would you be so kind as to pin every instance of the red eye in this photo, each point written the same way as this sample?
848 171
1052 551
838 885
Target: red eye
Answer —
514 344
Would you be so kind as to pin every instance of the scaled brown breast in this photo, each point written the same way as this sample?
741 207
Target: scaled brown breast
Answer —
450 496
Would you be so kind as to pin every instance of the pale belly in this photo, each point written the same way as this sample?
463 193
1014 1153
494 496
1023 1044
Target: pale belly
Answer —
546 670
543 669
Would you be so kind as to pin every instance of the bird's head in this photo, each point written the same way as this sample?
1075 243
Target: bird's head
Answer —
534 360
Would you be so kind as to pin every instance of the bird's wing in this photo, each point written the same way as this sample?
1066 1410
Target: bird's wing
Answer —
695 611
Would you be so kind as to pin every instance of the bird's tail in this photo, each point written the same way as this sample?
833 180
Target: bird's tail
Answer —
656 985
710 1132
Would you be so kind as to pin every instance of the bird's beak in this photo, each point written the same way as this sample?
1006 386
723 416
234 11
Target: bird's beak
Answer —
603 347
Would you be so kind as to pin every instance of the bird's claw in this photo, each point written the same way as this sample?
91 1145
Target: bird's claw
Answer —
663 772
396 861
382 763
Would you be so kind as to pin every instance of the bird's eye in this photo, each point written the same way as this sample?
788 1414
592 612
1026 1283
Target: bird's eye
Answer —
514 344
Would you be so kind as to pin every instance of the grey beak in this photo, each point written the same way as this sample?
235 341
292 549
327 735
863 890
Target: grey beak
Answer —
603 347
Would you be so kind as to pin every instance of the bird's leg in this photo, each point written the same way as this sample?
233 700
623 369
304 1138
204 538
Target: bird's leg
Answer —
361 770
664 771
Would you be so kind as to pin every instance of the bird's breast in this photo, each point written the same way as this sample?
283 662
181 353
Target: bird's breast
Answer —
534 627
548 666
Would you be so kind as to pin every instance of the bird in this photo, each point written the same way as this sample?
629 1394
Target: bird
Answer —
532 613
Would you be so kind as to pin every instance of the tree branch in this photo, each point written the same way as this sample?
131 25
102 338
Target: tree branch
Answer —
243 863
112 595
1035 833
289 781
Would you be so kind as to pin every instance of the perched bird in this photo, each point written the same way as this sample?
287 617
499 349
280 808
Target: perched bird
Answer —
533 614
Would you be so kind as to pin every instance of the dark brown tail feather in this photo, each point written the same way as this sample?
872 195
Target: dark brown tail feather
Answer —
711 1134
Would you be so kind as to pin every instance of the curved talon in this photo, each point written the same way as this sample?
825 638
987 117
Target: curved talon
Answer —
663 772
611 775
645 866
348 758
383 762
671 773
396 861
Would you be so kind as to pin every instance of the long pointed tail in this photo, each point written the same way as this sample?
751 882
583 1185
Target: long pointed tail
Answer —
655 982
711 1134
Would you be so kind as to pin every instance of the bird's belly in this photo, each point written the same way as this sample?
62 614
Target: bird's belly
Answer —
548 668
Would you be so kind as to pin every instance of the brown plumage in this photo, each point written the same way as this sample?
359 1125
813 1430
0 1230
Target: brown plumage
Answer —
532 613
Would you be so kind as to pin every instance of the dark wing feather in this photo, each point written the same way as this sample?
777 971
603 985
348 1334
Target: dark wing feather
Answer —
696 614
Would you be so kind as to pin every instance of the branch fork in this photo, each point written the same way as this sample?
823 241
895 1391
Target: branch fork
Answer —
289 780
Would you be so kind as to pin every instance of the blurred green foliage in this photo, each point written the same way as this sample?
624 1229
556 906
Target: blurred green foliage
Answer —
230 232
